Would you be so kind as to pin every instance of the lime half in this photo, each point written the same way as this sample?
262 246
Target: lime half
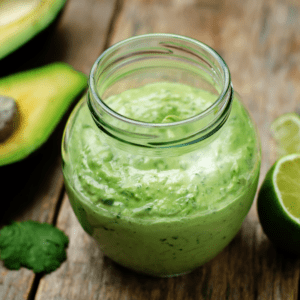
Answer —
286 131
278 203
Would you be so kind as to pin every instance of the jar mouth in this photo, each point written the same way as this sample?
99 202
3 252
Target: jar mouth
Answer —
225 90
159 57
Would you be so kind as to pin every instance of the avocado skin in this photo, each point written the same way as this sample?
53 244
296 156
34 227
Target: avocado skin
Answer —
30 54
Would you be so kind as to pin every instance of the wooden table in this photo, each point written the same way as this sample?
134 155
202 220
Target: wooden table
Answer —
260 41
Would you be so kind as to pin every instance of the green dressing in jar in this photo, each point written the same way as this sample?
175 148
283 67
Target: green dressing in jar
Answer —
161 174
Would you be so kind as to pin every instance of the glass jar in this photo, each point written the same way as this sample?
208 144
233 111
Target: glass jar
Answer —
160 159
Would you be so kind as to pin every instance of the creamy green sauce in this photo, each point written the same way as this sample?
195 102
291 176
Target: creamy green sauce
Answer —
162 102
141 186
189 207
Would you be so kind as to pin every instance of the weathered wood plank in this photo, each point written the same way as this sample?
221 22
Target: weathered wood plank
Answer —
87 274
82 33
32 190
259 41
32 187
90 275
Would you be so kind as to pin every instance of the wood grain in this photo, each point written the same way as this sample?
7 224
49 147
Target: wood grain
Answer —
39 178
260 42
82 33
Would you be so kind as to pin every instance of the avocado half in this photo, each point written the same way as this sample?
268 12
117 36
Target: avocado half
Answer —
42 96
21 20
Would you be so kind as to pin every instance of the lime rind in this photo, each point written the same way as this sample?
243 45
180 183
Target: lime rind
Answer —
277 169
281 227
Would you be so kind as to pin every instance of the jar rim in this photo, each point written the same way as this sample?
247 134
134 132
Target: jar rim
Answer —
226 84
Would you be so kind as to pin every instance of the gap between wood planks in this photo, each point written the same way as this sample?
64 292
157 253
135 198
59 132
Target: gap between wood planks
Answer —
108 39
115 14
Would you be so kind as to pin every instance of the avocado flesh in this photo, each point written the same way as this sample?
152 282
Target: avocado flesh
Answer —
21 20
42 95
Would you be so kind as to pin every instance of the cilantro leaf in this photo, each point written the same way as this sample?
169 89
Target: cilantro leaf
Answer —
34 245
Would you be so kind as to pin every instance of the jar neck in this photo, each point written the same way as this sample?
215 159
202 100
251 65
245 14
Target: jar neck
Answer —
151 58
